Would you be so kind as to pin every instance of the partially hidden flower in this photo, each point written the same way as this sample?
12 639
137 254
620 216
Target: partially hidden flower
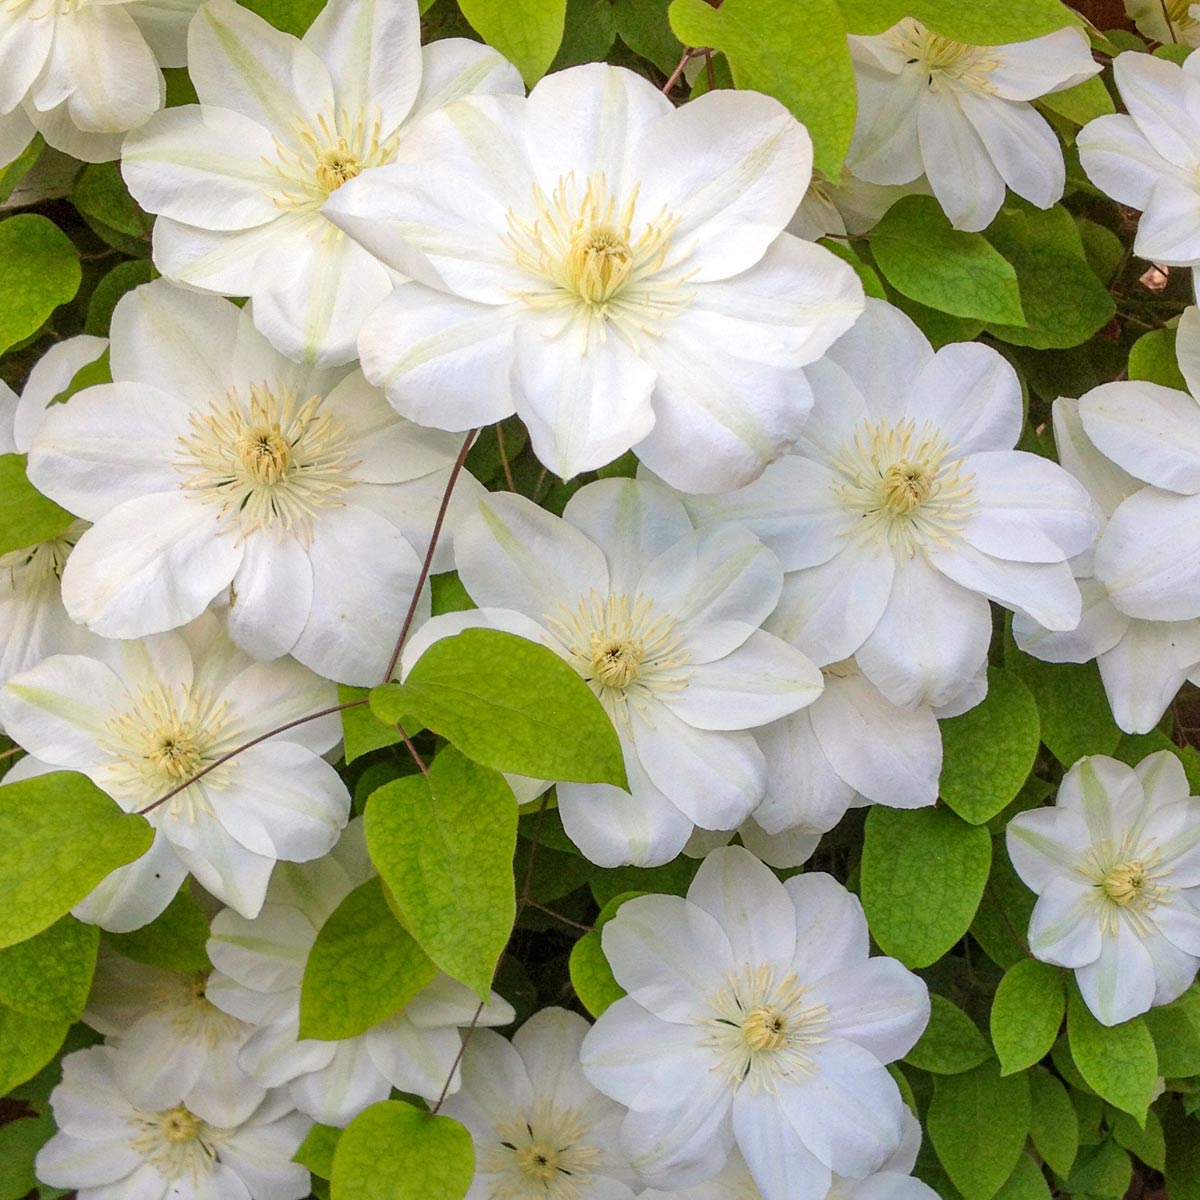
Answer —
1172 22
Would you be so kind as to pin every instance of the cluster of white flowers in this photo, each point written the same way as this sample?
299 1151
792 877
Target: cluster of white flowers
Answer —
775 613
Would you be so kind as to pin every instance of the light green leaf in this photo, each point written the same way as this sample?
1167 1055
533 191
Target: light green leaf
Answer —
338 998
981 23
988 752
393 1151
977 1123
1118 1062
103 200
15 171
39 270
797 53
951 1042
59 836
1175 1028
527 32
923 872
509 704
1027 1012
591 976
292 16
1103 1171
444 846
1082 103
1152 359
174 940
1147 1144
1003 917
49 975
98 371
866 275
317 1150
646 30
20 1141
27 1044
1027 1182
362 730
26 516
922 256
1053 1126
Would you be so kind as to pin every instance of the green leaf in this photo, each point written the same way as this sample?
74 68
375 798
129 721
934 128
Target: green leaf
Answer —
98 371
104 201
591 976
509 704
1147 1144
362 730
797 53
292 16
174 940
26 516
1175 1028
1103 1171
1053 1126
981 23
124 277
923 872
1152 359
15 171
1183 1155
338 998
20 1141
1133 747
27 1044
1118 1061
444 846
1003 917
39 270
59 836
672 879
923 256
1027 1182
527 32
951 1042
393 1151
1027 1012
317 1150
866 275
588 34
646 30
1082 103
988 752
977 1123
49 975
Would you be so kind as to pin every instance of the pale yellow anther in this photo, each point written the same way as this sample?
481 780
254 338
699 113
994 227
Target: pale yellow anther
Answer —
174 751
265 453
539 1161
599 262
336 165
906 486
178 1125
616 662
765 1028
1125 884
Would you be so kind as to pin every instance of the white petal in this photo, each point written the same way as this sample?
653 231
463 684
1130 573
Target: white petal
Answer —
685 1137
1031 69
1187 348
782 1168
1045 591
1101 626
70 1162
1120 984
1021 145
454 67
1142 675
133 895
960 172
831 930
1046 844
221 865
50 375
1167 232
16 132
1064 927
803 789
879 1005
337 1092
549 1044
885 148
24 48
1120 161
1161 99
272 595
792 848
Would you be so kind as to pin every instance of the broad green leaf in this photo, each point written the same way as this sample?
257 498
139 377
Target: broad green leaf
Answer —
338 998
20 1141
124 277
1027 1182
644 27
1183 1155
59 836
26 516
978 1122
1147 1144
923 872
1104 250
591 976
672 879
509 704
1103 1171
444 846
39 270
1152 359
1118 1061
174 940
15 171
27 1044
940 328
49 975
588 33
1175 1028
527 32
866 275
1133 747
362 730
797 53
98 371
1082 103
1053 1126
103 200
1001 923
393 1151
982 22
292 16
951 1042
317 1150
988 752
448 594
1027 1013
921 255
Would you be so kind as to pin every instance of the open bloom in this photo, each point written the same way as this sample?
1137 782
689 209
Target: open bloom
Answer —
214 467
259 971
1143 663
662 622
608 266
754 1016
110 1148
1148 157
282 123
960 115
1168 21
144 718
541 1131
903 510
1116 866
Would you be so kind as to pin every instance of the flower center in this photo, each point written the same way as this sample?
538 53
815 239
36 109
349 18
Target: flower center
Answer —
765 1028
335 165
179 1125
538 1161
615 661
1126 878
176 754
600 260
906 486
30 569
177 1143
542 1154
1125 883
947 63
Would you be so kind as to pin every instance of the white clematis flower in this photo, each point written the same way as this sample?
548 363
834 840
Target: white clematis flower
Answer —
608 266
1148 157
903 510
754 1016
110 1148
541 1131
1116 866
259 971
848 207
960 115
662 622
238 181
1143 663
147 716
214 467
1172 22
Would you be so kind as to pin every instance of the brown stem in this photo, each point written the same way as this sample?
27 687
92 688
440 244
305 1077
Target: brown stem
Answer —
675 74
412 750
508 475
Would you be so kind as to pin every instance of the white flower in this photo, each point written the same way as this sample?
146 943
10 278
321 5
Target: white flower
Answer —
754 1016
1143 663
110 1148
171 1043
239 179
1168 21
1149 158
904 509
541 1131
608 266
259 971
1116 866
214 463
33 622
960 115
82 74
148 716
851 206
662 622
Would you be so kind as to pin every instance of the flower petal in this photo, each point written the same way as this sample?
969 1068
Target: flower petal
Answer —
960 171
1021 145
